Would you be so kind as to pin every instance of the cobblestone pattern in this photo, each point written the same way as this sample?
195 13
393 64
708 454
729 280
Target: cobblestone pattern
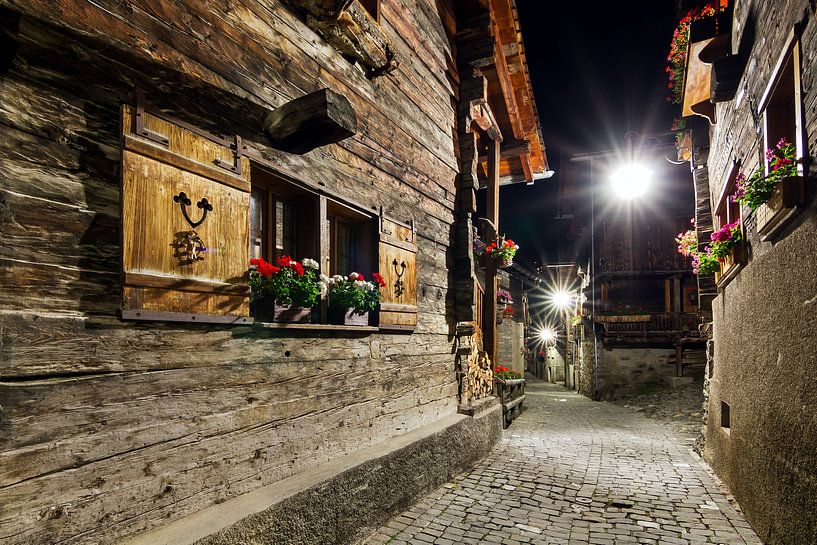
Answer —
573 471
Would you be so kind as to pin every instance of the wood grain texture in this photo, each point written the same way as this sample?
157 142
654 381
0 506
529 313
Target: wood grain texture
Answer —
109 428
153 224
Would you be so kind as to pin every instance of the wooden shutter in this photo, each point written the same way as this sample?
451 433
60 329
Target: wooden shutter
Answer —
173 174
398 265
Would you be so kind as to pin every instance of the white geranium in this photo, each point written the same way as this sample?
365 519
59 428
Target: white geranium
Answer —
337 278
360 284
310 263
324 286
354 276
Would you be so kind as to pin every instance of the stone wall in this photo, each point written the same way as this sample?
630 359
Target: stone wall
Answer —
765 343
627 371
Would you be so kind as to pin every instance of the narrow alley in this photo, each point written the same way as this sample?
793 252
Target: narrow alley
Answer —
571 470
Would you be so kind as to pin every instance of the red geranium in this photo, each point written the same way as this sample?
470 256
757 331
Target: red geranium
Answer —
377 277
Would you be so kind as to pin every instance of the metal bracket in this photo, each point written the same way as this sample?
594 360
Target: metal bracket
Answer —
139 121
183 202
399 285
235 166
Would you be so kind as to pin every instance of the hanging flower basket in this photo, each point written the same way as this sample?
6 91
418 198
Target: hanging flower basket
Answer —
502 252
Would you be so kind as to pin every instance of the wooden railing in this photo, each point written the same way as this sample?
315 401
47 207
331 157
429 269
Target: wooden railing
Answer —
651 325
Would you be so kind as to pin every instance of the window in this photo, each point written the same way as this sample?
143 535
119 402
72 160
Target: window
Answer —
351 240
728 211
725 415
283 219
781 105
287 218
373 8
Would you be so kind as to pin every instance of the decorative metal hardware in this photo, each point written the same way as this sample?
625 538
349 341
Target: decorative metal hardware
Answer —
189 247
399 285
235 166
184 202
139 121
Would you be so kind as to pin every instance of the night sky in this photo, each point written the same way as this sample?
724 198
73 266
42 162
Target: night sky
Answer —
598 71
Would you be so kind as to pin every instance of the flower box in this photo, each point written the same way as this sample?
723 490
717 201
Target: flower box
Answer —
730 266
348 316
511 394
267 309
776 213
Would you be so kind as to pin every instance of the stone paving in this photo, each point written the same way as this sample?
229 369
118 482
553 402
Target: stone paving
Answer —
573 471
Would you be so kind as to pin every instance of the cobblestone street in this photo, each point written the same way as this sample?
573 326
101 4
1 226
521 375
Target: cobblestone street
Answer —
571 470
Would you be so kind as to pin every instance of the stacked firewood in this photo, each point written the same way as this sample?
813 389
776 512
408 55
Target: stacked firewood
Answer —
474 364
480 377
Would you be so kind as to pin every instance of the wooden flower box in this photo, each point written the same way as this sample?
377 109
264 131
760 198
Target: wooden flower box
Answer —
267 309
781 208
348 316
511 394
731 265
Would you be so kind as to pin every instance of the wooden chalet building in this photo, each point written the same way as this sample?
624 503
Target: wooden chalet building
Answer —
149 150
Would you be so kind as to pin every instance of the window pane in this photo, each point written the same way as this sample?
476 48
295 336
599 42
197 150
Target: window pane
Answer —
284 235
258 201
344 248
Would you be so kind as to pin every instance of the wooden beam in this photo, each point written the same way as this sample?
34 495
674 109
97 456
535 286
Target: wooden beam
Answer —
355 33
492 226
514 148
313 120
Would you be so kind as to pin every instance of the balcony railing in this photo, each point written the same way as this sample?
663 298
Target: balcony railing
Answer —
661 324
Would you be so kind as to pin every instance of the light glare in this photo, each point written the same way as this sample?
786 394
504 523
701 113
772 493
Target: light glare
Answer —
631 181
561 299
547 335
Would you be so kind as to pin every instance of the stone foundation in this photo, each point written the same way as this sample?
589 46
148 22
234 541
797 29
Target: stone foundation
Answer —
342 501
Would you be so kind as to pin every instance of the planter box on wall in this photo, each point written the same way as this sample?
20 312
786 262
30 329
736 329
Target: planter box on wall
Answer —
348 316
731 265
267 309
781 208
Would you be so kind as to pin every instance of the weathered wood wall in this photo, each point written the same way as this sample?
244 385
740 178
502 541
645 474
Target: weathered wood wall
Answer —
110 428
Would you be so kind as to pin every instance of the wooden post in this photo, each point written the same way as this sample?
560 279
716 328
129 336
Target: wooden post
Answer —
676 295
491 284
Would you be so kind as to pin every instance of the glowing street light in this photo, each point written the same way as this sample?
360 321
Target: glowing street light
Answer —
631 181
561 299
547 335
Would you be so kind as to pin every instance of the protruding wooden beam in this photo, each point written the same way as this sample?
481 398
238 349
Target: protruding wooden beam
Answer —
313 120
514 148
355 33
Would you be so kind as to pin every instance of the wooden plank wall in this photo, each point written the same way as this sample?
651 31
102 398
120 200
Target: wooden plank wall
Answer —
109 428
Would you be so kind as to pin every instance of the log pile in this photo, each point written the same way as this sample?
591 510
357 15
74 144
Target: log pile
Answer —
475 365
480 377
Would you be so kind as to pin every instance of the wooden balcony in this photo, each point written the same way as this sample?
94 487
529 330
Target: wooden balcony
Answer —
655 328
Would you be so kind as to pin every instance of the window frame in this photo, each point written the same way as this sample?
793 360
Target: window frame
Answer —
791 53
327 206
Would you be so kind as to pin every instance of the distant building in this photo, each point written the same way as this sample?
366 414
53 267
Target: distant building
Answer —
640 327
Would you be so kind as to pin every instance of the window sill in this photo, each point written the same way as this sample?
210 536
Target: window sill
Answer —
318 327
